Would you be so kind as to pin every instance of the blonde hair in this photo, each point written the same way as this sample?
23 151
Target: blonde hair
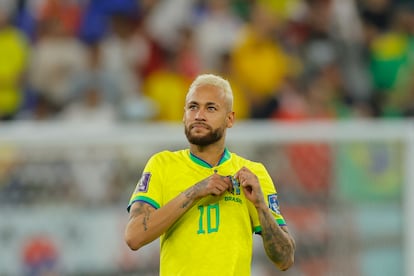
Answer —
214 80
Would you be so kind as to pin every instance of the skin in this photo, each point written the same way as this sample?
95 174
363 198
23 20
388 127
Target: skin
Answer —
207 111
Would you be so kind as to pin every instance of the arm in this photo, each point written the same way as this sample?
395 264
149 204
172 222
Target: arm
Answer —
277 242
147 223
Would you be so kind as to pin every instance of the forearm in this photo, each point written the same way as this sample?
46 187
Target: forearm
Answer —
147 224
278 243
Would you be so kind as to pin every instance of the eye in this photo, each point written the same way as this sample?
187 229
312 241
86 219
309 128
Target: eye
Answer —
211 108
192 107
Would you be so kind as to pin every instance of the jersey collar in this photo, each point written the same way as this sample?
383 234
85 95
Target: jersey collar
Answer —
224 157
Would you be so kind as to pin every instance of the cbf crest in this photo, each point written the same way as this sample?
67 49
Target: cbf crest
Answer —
274 203
236 186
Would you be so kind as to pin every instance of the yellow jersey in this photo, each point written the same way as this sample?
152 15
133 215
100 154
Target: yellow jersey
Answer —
215 236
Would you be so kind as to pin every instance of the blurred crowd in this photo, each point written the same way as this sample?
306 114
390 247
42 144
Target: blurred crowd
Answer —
133 60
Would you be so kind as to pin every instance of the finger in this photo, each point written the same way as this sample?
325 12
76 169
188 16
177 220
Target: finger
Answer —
238 173
218 190
225 181
224 186
215 192
229 182
242 178
245 169
243 183
233 182
247 188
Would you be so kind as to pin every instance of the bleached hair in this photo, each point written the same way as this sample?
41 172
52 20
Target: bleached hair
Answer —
211 79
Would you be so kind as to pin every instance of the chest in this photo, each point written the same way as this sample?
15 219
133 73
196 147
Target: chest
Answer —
177 180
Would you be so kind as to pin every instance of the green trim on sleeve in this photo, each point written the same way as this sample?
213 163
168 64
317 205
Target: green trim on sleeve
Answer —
258 229
281 222
148 200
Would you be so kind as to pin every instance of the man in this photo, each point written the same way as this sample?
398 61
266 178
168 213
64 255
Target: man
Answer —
205 202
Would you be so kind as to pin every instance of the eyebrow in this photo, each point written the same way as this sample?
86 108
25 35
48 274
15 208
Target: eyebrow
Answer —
207 103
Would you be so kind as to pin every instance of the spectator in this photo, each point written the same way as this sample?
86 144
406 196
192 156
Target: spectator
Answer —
57 57
123 52
13 57
188 58
366 43
24 19
164 21
167 87
241 103
216 32
67 12
91 107
260 63
41 109
392 62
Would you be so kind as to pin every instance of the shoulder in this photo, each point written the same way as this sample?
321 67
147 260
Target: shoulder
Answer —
167 156
252 165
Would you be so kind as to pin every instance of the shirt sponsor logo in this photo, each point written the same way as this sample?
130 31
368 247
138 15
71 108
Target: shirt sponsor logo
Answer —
273 203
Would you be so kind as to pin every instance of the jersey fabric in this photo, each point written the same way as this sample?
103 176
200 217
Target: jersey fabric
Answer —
215 236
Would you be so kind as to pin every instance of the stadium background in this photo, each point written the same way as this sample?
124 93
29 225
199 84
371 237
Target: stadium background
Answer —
90 89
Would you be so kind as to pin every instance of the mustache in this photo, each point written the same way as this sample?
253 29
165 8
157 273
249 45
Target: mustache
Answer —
199 124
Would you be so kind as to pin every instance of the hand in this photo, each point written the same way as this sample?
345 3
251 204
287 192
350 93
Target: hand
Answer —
250 185
215 184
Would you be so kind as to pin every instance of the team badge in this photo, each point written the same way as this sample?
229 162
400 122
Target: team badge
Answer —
143 183
236 186
273 203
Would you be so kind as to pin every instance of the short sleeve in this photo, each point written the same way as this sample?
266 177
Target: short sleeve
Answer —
149 186
270 196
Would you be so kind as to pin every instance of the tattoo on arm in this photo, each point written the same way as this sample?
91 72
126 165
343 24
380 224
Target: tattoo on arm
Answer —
188 199
191 193
142 209
277 245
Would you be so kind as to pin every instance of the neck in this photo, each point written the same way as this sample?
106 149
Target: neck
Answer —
211 153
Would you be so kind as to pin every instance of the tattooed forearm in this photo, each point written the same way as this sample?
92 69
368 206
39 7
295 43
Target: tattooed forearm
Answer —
277 242
188 200
142 210
191 193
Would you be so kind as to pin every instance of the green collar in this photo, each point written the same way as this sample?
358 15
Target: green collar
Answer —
226 156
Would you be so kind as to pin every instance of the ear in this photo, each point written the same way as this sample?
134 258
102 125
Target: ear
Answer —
230 119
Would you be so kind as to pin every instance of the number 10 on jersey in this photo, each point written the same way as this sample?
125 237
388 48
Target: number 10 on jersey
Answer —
209 218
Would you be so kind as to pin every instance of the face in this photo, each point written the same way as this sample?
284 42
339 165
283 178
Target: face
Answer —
206 115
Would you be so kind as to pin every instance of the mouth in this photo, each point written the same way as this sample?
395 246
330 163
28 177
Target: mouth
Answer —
199 125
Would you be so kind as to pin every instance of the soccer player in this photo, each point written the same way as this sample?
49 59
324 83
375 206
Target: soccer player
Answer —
206 202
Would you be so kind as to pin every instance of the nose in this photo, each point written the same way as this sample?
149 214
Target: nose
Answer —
200 115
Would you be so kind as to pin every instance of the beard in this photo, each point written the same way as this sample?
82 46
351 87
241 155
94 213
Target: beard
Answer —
211 137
